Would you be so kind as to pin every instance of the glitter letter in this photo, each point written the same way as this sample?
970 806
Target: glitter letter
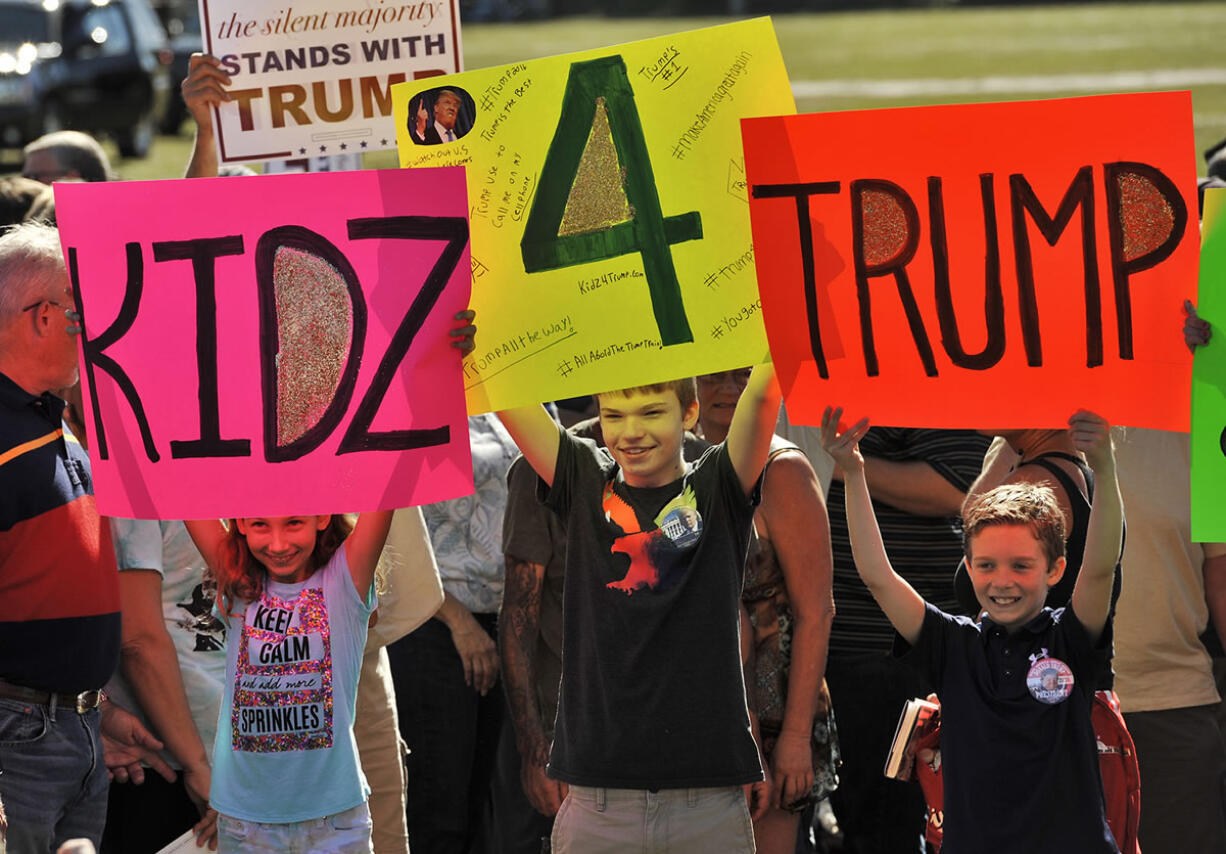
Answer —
203 254
884 242
92 348
993 295
1023 201
594 85
802 192
1146 218
304 388
455 231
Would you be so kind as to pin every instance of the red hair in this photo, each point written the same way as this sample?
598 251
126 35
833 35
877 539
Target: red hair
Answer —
240 577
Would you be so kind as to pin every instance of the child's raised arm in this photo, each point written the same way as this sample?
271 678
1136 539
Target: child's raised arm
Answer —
364 545
537 436
1092 591
902 605
533 430
208 535
753 424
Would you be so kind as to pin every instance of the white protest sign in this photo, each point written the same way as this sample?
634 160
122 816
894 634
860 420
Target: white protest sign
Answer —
312 78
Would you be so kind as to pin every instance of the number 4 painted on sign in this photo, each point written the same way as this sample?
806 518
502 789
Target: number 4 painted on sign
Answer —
575 219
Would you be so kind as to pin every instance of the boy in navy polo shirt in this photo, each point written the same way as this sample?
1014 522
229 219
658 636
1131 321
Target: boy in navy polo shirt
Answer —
1018 750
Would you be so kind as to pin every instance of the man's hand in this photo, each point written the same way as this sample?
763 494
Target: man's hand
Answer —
544 794
463 337
792 771
757 798
1196 331
126 744
204 88
480 656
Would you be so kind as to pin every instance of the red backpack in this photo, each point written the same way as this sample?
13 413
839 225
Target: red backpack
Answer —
1117 761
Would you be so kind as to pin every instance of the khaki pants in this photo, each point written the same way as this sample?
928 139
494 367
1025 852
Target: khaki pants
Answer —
637 821
382 754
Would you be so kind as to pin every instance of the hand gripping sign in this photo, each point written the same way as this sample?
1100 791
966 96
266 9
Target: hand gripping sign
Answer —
990 265
271 345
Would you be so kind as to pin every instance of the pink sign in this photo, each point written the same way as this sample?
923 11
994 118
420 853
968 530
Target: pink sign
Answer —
271 345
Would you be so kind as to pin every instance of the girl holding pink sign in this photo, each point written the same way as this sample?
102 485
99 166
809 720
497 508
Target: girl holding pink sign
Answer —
297 594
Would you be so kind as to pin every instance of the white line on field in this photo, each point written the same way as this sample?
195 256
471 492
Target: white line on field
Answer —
1163 78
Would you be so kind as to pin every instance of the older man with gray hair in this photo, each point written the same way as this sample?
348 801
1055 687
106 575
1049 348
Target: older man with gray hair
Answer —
66 154
59 589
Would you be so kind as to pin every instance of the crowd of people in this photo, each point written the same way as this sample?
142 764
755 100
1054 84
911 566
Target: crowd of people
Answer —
666 620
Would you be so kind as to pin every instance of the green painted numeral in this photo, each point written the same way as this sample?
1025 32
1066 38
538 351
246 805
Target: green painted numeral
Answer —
572 224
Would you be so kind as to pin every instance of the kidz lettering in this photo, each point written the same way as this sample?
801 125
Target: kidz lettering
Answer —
204 253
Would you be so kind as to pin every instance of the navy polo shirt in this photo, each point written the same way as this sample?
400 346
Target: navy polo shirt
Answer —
59 588
1020 775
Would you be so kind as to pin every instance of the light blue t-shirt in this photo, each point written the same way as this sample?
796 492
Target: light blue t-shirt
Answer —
285 748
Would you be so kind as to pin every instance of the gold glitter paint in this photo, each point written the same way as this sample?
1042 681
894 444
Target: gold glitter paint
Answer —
1146 217
885 227
314 327
597 199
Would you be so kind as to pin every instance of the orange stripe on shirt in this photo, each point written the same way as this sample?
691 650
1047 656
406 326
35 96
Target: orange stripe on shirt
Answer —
26 447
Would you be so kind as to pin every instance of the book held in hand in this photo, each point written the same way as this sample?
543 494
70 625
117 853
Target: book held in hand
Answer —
918 718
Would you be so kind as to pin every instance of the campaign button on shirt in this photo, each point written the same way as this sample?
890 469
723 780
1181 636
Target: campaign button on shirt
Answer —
683 527
1049 680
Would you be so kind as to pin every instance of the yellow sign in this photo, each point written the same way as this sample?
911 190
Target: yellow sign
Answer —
607 203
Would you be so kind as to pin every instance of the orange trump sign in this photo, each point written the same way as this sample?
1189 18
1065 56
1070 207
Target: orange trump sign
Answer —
987 265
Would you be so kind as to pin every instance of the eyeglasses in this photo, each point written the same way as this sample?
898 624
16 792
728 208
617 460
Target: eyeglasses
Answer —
41 301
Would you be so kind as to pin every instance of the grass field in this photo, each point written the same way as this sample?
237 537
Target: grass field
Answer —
849 60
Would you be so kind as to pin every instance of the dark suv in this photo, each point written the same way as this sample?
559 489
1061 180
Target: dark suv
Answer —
91 65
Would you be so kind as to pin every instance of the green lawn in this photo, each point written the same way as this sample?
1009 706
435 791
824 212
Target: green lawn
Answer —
850 59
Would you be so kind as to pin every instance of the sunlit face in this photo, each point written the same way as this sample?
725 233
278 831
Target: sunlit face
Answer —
61 352
283 544
446 110
1011 574
643 432
718 394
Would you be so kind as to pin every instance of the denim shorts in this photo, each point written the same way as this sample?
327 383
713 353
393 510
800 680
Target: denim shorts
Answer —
637 821
345 832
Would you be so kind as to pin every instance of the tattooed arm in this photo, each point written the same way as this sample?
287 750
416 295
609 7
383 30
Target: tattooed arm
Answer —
519 628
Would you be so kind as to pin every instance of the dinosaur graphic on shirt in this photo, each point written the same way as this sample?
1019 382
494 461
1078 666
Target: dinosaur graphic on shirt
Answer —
658 557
